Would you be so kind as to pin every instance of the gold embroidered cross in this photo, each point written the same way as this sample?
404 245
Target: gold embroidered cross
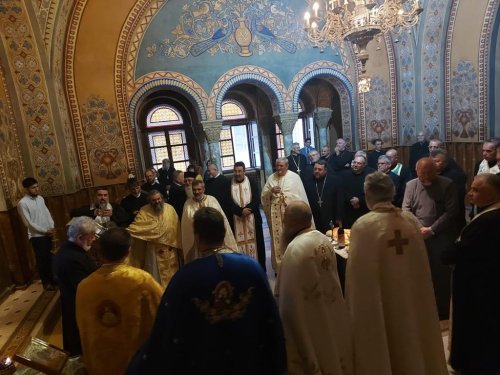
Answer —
398 242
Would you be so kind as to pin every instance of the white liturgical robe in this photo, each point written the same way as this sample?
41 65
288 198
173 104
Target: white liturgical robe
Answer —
274 205
315 318
390 296
188 245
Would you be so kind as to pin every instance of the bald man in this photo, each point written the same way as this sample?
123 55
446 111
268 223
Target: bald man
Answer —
433 200
476 284
313 312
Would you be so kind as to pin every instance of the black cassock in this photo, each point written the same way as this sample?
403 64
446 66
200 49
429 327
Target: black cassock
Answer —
325 199
353 186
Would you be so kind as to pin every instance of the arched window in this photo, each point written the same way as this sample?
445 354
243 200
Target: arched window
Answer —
304 128
167 137
239 139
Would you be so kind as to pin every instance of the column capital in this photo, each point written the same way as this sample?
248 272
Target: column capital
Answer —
323 116
286 121
212 130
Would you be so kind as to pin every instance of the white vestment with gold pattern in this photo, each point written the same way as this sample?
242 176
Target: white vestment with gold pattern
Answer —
390 296
244 226
274 205
313 312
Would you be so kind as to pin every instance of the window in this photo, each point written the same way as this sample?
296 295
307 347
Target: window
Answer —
166 137
280 142
239 138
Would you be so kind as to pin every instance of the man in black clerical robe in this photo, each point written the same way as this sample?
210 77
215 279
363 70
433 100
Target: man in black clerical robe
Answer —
324 193
418 150
219 187
475 336
296 161
353 181
341 158
177 194
133 202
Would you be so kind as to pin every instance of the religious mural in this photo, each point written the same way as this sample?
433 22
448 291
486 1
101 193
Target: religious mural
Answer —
378 111
104 140
464 101
233 26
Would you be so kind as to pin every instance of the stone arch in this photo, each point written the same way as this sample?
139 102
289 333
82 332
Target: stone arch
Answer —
339 81
174 81
266 80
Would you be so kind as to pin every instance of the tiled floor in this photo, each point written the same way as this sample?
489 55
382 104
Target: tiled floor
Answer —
14 309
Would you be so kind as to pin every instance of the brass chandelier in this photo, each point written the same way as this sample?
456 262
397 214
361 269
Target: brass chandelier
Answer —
358 22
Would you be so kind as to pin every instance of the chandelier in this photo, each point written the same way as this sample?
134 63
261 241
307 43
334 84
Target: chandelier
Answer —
358 22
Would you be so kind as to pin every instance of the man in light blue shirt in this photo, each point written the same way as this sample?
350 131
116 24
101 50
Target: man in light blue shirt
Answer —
307 149
37 219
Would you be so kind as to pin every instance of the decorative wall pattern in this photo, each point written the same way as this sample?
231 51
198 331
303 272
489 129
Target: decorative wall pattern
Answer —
104 140
464 102
45 15
178 81
11 168
484 71
378 120
394 131
30 85
447 68
406 94
431 65
245 27
246 73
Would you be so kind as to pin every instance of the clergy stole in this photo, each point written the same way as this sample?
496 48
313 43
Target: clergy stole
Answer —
244 226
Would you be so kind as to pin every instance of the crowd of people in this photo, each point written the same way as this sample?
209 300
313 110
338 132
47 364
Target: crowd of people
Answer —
177 276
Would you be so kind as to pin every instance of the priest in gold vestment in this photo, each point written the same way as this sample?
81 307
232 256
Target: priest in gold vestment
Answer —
115 307
282 187
156 239
389 290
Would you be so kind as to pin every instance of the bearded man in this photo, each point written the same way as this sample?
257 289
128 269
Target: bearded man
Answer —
199 200
281 188
246 215
156 244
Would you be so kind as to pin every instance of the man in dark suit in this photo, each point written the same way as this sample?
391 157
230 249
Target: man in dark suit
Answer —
417 151
102 211
177 195
341 158
72 264
165 175
152 182
133 202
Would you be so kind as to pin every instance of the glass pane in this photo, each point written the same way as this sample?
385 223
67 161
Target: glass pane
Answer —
179 153
226 148
159 154
256 144
225 133
310 128
232 111
227 162
177 137
181 165
157 139
298 133
240 141
279 141
281 153
164 114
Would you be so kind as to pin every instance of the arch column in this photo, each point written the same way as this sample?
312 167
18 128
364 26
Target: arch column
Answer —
286 121
212 131
322 117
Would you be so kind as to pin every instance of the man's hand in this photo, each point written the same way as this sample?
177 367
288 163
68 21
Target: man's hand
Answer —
426 232
276 189
50 232
107 212
246 211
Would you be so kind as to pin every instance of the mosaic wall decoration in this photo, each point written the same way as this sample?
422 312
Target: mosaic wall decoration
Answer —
104 141
45 14
11 167
378 114
391 58
406 94
33 97
431 65
464 102
246 27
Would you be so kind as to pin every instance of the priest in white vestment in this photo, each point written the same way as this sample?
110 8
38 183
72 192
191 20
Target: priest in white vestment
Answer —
199 200
281 188
389 290
315 318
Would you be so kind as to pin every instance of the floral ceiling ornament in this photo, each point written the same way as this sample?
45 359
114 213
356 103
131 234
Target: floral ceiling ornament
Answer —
233 26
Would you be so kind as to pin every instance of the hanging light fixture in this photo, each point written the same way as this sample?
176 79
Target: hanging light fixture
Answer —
358 21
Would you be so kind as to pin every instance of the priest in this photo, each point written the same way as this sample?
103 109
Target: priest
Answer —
199 200
156 245
246 215
281 188
389 290
315 318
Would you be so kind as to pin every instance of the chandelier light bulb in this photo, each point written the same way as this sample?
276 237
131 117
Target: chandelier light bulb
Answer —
315 8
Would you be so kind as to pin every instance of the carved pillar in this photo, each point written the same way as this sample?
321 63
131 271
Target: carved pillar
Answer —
322 117
212 131
286 121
